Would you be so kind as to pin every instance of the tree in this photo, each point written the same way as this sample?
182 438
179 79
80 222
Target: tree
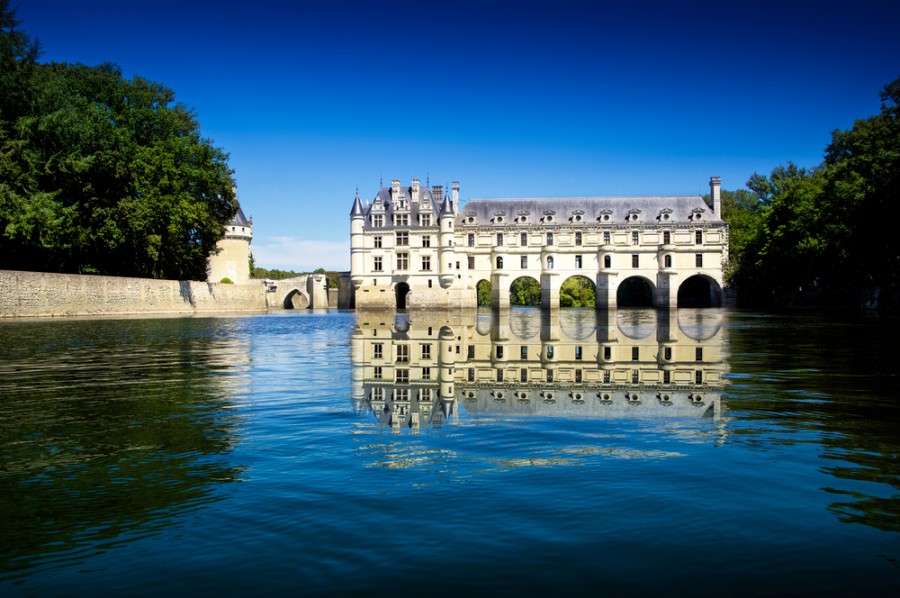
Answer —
525 291
103 174
484 293
577 291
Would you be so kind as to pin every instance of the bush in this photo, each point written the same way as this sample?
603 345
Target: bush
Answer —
226 280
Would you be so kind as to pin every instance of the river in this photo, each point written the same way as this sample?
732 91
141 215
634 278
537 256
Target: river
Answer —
529 452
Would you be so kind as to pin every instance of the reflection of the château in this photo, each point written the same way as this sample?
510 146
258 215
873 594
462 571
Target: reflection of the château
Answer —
417 370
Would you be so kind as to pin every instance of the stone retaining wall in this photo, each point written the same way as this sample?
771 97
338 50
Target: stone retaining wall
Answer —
41 294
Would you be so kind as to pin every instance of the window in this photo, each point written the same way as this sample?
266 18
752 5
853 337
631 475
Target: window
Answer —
402 353
667 377
634 260
698 354
378 350
426 241
667 261
699 260
499 352
549 238
698 377
523 375
578 353
426 351
426 263
698 237
499 263
667 353
471 262
607 261
377 264
635 237
549 351
426 373
523 352
499 375
635 376
634 354
607 352
426 395
402 261
403 377
471 239
549 375
471 374
523 239
606 376
378 394
401 219
378 220
429 283
499 239
470 352
577 261
403 238
425 219
550 263
577 375
578 238
523 261
377 373
667 238
377 242
401 395
606 240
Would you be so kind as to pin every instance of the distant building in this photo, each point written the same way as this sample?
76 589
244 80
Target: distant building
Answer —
233 258
415 247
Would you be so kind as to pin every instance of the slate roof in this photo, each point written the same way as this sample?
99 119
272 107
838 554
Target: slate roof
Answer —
650 210
239 219
383 197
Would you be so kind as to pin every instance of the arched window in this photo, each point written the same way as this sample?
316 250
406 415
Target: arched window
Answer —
607 261
499 263
550 263
667 261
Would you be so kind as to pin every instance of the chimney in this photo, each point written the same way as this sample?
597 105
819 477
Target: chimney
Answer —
454 196
395 190
715 195
415 191
437 192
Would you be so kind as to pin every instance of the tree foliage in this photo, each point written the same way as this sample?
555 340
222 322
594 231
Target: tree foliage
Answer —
577 291
102 174
484 292
525 291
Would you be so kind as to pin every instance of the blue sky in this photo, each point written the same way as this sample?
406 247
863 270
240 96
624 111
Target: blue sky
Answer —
511 99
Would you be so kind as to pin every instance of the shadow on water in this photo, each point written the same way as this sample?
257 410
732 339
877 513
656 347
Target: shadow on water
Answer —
110 429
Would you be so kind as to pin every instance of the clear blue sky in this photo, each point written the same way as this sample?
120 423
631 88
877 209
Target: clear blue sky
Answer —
512 99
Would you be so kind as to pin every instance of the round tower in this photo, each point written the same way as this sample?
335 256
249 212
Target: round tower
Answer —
447 250
231 260
357 219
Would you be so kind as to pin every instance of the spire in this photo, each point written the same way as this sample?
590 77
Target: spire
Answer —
446 208
357 206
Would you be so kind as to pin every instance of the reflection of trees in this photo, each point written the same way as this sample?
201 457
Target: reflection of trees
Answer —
110 426
835 380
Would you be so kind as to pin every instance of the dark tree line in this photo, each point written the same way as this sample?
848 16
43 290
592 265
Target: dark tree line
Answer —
827 231
101 174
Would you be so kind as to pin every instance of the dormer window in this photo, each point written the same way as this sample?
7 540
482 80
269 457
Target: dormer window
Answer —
577 215
633 215
604 216
665 215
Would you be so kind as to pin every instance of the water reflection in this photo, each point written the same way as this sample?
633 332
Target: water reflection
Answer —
413 371
107 427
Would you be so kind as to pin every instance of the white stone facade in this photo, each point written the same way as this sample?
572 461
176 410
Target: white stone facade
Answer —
232 260
415 247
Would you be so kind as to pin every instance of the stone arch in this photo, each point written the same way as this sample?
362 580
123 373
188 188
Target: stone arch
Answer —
525 290
578 291
700 290
296 299
484 291
636 291
401 290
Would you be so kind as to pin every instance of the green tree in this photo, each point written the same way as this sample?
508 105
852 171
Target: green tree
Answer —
525 291
102 174
484 293
577 291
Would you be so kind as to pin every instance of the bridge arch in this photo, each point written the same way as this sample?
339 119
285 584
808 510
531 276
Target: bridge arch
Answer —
401 290
484 291
296 299
636 291
578 291
525 291
700 290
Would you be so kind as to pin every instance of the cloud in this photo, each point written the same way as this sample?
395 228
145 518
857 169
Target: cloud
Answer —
301 255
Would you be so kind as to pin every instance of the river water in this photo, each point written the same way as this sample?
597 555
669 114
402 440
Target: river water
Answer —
706 452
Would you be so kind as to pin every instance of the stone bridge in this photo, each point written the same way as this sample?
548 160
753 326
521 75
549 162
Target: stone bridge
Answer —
300 292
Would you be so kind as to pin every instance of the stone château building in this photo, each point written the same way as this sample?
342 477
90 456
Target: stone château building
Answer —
416 247
232 259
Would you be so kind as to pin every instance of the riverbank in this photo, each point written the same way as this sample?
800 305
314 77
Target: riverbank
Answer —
45 294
